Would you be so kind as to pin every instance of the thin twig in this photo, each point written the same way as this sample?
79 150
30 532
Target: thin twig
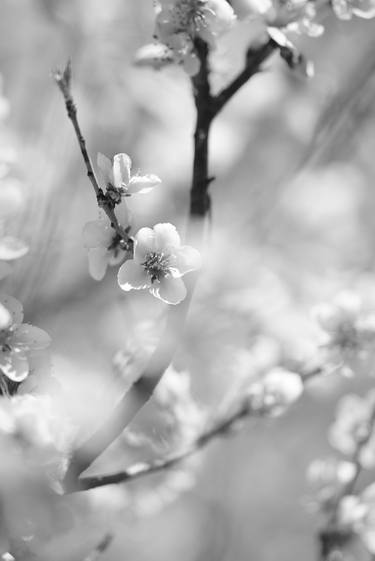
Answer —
63 80
332 537
255 57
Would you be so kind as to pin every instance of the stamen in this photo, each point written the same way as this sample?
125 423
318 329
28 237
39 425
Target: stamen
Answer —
157 265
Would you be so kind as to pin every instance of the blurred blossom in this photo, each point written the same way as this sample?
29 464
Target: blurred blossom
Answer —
178 23
349 330
327 477
357 513
345 9
298 16
20 342
353 430
159 263
275 392
185 417
35 441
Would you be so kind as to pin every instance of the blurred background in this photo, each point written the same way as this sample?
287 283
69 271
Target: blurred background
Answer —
293 207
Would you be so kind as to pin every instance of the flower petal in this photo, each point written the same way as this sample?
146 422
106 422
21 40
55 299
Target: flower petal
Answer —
14 365
166 236
12 248
121 170
170 290
29 337
14 307
143 183
97 233
132 275
98 262
187 259
5 317
144 244
105 168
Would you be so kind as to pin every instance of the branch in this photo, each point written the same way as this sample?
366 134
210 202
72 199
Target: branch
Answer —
63 81
333 538
219 427
255 57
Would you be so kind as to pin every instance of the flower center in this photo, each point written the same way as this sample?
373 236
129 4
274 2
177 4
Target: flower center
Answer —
157 265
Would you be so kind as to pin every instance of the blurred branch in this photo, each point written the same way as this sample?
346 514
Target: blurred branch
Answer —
63 80
332 538
221 426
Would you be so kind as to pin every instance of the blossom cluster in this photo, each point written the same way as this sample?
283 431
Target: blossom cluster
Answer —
353 436
275 392
179 23
348 331
157 260
11 199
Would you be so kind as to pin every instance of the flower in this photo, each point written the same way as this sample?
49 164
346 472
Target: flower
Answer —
159 263
275 392
357 513
345 9
353 428
117 176
328 476
180 22
296 15
19 342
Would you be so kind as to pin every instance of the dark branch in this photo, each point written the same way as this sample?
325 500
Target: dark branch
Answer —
255 57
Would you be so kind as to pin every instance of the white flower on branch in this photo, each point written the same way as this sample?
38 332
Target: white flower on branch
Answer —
298 16
159 263
275 392
357 514
20 343
345 9
178 24
349 331
117 176
327 477
353 428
